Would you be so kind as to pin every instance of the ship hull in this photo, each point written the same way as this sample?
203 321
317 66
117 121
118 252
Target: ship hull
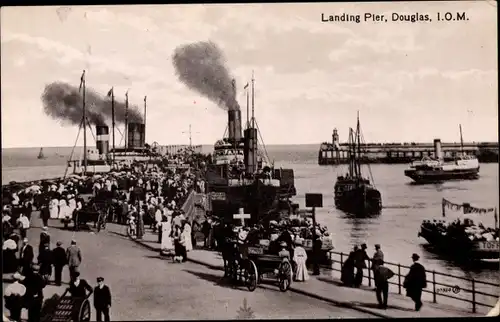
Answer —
257 197
432 176
359 201
461 249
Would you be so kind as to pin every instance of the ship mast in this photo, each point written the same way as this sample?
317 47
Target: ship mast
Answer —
126 120
461 140
84 121
145 107
113 120
253 100
358 139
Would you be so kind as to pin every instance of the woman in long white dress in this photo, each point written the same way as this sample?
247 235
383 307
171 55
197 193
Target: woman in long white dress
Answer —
187 235
54 208
167 244
300 258
63 209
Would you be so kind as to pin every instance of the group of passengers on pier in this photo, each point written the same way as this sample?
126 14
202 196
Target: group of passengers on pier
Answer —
466 228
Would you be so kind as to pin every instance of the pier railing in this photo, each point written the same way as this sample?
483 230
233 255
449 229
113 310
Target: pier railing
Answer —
441 285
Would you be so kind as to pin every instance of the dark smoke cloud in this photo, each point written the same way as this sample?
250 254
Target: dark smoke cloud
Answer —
201 66
62 101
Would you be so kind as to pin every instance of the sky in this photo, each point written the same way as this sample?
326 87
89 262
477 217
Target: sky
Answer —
410 82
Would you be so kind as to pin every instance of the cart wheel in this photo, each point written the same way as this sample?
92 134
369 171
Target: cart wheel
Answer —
253 275
84 314
285 276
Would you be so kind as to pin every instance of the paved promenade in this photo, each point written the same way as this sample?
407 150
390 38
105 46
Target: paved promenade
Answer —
329 289
145 286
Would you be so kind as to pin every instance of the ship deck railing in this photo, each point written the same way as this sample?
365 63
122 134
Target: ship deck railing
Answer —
442 285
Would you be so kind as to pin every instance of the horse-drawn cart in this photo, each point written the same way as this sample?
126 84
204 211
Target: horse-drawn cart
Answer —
250 264
93 210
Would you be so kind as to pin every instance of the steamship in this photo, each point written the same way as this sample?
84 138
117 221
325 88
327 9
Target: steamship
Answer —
101 159
241 177
438 169
355 194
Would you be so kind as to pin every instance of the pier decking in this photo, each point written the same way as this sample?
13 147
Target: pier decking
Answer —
337 153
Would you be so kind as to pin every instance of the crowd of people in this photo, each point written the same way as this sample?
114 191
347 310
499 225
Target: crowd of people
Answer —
465 228
141 194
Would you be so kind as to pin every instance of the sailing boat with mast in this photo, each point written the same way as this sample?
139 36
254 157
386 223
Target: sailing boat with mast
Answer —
355 194
437 169
41 156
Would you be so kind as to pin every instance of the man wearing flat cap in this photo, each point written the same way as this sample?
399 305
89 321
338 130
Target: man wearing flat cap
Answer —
415 281
102 300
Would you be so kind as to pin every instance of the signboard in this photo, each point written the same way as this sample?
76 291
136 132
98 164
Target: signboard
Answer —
255 250
218 196
314 200
489 246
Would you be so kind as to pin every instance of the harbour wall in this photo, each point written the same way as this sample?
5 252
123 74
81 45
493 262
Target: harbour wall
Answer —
391 153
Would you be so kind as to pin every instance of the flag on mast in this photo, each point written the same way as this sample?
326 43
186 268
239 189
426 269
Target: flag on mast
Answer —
246 86
110 93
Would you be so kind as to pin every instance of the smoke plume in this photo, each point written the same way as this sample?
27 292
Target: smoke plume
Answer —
62 101
201 67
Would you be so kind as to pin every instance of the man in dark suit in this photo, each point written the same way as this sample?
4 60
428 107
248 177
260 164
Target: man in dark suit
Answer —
60 260
35 284
415 281
45 214
102 300
26 257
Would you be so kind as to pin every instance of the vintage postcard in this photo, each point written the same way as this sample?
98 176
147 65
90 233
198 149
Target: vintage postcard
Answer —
250 161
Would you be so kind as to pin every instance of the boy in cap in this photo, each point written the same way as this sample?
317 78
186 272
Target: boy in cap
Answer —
415 281
102 300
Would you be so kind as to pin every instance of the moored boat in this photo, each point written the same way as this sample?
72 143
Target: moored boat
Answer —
355 194
462 239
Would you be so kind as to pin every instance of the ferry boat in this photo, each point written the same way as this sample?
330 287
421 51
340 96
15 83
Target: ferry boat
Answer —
355 194
462 239
438 169
102 159
241 176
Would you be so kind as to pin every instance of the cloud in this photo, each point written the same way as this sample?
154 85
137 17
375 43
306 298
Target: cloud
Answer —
310 76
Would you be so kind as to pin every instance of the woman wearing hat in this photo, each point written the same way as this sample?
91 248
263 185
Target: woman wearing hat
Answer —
14 297
300 258
10 261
